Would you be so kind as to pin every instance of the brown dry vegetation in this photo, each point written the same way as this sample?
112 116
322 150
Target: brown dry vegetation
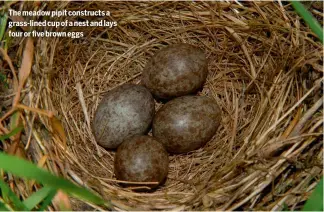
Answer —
265 72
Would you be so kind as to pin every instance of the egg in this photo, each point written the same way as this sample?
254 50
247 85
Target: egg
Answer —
141 159
176 70
123 112
186 123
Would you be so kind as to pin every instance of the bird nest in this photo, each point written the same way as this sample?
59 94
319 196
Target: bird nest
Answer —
265 71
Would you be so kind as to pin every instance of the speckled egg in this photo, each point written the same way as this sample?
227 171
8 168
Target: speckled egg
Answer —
186 123
141 159
176 70
125 111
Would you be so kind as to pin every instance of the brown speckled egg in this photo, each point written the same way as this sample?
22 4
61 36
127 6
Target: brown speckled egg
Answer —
186 123
141 159
124 111
176 70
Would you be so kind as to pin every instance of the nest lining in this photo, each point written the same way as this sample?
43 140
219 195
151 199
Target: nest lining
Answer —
264 72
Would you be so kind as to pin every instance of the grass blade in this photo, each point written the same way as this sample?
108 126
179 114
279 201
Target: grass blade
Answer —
14 165
47 201
3 207
8 194
308 17
315 201
12 133
3 24
38 197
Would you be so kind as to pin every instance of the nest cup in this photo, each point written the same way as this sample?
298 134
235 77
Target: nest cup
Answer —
265 68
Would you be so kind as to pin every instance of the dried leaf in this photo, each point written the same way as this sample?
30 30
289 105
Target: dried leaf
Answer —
62 202
25 69
58 128
27 62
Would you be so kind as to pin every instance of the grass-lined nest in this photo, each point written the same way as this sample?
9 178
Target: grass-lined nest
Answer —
265 70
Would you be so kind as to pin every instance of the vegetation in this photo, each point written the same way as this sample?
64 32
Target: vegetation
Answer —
47 184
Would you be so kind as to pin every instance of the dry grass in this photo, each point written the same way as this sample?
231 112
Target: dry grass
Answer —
265 72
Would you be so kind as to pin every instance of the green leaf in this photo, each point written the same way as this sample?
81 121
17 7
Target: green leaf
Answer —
308 17
47 201
3 24
25 169
315 201
12 133
38 197
9 195
3 207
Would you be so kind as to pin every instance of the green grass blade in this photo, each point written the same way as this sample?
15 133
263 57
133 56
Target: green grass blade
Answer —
12 133
14 165
47 201
38 197
3 207
315 201
3 24
9 195
310 20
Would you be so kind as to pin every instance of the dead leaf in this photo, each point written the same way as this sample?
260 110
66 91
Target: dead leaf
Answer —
62 202
25 68
58 128
27 62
